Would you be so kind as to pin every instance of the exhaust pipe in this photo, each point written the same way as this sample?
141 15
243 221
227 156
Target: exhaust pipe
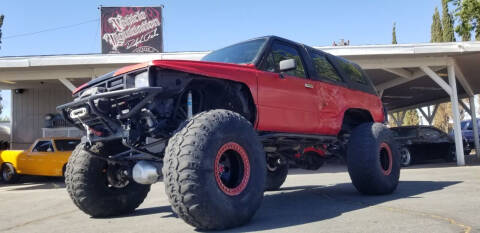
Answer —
145 172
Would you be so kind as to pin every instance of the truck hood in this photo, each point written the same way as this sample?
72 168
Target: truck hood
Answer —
210 69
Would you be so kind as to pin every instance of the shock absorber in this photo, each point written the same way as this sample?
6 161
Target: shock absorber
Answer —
190 104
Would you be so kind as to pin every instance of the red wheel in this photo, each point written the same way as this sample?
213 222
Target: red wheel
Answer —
215 171
386 159
232 168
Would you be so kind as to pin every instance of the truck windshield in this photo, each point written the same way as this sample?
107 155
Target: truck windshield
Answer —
242 53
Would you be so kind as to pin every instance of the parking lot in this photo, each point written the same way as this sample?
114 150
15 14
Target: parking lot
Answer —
436 197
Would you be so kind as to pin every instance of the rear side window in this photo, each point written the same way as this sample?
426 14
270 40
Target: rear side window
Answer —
352 71
324 68
43 146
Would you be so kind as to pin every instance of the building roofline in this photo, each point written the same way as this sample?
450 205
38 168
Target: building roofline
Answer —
430 49
404 49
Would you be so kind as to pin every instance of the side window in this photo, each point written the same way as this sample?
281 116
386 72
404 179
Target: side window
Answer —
324 68
353 72
268 64
280 52
43 146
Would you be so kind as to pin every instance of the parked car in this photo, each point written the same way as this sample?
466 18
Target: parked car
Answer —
45 157
467 131
230 123
421 143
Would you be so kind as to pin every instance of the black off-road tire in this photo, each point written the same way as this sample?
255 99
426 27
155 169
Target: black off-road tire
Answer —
406 158
190 171
87 184
12 177
276 177
373 159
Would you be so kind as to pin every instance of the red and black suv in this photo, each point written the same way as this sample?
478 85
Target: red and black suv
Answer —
221 131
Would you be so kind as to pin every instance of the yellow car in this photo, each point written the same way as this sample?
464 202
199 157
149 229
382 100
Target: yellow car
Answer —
45 157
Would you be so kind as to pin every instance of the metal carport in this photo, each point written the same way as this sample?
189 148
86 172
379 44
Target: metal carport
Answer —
406 75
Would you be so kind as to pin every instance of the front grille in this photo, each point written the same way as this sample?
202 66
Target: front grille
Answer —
120 82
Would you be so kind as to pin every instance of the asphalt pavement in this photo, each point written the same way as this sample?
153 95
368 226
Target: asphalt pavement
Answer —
437 197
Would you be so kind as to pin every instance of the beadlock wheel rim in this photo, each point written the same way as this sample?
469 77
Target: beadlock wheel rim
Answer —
386 159
232 169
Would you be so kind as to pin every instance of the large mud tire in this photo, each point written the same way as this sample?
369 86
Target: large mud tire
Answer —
204 191
87 183
276 175
373 159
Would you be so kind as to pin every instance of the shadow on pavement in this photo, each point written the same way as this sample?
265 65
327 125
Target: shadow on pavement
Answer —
37 186
34 182
148 211
300 205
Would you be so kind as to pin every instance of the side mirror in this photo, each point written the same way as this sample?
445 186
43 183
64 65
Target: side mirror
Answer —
287 65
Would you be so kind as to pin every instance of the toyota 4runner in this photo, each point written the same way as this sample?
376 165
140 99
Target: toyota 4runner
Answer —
221 131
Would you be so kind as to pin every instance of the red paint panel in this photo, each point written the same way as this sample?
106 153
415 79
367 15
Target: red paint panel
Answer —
331 103
127 69
285 104
240 73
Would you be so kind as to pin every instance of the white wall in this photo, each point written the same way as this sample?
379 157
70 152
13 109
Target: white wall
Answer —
29 109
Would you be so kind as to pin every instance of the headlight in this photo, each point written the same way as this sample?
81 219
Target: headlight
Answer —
141 80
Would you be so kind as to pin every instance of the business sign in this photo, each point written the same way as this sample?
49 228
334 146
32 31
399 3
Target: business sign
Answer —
131 29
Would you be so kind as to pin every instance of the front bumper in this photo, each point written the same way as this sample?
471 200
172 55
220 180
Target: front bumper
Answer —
111 122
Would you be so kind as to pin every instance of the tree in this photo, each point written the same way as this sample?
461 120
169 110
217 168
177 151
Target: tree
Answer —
436 30
394 33
442 117
411 117
447 23
468 17
1 24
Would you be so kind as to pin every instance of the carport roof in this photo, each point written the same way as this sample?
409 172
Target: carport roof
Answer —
394 69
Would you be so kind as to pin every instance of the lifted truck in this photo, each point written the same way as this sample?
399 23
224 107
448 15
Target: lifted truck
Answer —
221 131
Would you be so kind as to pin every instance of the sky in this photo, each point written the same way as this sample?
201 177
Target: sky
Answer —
211 24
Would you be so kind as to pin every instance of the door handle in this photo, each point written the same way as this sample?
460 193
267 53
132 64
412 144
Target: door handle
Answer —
308 85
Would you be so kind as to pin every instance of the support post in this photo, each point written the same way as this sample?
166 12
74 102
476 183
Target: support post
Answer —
429 115
473 115
426 115
456 115
67 84
465 107
432 117
434 76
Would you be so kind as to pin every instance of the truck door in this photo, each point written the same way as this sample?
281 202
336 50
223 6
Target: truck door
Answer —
287 101
38 157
